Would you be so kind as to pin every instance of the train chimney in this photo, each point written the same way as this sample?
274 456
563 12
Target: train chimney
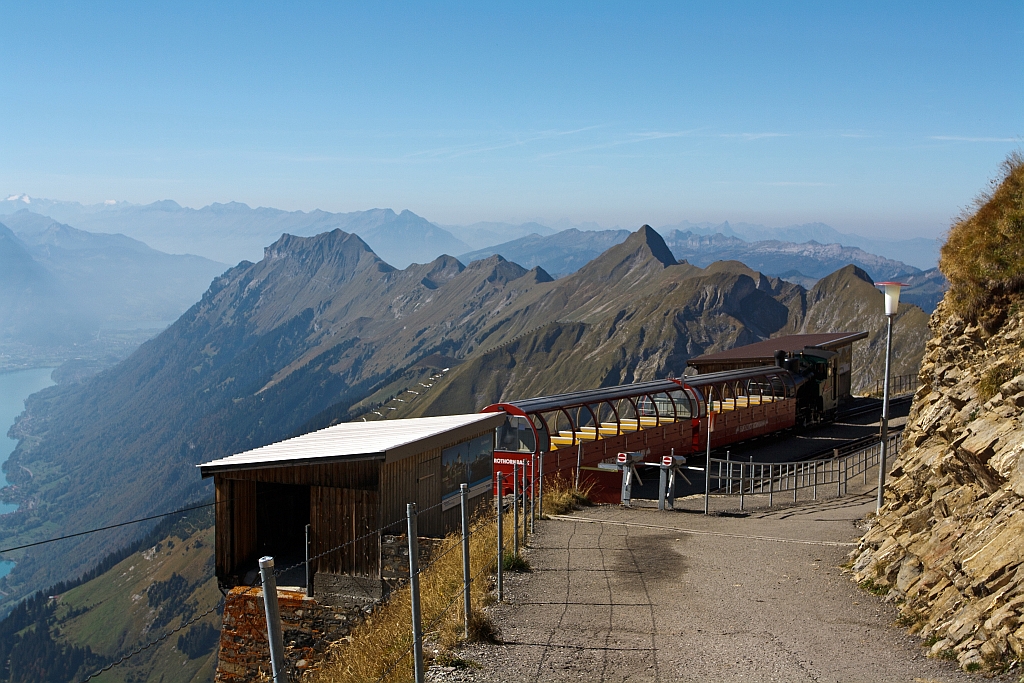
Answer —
780 359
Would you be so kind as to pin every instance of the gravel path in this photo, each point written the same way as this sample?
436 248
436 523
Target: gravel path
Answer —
636 595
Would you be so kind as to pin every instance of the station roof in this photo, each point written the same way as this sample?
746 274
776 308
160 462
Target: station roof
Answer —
384 440
765 350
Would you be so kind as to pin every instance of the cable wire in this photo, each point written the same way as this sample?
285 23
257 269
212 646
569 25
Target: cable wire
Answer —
112 526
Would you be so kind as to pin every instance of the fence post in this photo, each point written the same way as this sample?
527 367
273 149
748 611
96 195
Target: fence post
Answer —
464 495
501 535
533 489
414 588
540 487
525 513
274 636
309 572
771 484
515 509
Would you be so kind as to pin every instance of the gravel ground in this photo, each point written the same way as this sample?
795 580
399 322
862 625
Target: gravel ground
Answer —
636 595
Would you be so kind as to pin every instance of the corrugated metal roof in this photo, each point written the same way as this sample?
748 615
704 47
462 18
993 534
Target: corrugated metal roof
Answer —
386 440
793 342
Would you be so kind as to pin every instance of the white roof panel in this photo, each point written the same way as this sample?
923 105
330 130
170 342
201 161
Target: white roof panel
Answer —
381 440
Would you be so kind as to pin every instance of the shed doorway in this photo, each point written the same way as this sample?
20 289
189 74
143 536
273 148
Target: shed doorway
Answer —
282 513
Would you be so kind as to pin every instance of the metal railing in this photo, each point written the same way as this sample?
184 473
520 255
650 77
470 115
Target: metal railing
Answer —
898 385
828 477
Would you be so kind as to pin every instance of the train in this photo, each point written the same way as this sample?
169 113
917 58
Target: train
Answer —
573 434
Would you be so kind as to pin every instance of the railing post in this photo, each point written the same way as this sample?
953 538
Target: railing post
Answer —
771 484
741 486
728 469
501 534
274 636
466 598
414 589
796 481
814 486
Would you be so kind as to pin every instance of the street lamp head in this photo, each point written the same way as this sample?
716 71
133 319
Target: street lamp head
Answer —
892 295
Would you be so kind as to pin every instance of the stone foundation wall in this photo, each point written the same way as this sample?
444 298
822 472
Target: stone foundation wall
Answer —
308 626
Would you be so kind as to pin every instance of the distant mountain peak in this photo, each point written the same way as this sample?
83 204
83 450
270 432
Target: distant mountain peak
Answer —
647 237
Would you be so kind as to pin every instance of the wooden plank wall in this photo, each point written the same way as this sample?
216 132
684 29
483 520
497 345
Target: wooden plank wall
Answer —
236 525
416 479
352 475
340 516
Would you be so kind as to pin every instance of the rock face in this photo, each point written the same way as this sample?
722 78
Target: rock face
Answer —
948 544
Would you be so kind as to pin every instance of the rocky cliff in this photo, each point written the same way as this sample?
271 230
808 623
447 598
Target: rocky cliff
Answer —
948 545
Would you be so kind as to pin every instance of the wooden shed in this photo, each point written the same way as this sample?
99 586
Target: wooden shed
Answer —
350 483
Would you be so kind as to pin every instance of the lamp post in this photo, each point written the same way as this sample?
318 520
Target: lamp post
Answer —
891 291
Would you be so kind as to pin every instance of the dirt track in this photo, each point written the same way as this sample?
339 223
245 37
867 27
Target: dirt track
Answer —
638 595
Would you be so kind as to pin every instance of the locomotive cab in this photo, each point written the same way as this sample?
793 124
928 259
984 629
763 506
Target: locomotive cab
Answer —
816 372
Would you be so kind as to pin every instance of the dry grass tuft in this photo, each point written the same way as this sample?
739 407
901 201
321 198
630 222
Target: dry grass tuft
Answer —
561 496
983 257
386 637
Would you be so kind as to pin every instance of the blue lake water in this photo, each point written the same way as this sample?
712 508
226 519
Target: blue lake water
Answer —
15 387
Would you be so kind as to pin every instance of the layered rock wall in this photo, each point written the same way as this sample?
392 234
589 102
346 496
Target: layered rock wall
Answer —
948 545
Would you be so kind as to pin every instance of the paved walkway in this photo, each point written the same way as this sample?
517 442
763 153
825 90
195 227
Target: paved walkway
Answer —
638 595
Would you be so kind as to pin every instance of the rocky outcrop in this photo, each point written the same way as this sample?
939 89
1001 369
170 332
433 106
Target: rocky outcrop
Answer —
948 545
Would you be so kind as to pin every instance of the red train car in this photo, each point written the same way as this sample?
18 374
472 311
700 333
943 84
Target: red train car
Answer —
570 435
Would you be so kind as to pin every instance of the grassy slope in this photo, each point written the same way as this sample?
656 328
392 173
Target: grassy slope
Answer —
119 616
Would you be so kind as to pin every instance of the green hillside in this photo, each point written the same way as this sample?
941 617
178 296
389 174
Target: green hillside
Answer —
67 633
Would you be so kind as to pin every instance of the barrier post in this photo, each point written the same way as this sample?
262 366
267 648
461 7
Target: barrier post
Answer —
501 535
771 484
414 588
814 486
464 496
275 638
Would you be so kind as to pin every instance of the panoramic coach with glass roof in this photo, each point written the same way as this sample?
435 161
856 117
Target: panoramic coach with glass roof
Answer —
581 430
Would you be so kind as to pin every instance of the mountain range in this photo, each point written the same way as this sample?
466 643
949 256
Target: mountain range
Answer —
60 286
233 231
322 330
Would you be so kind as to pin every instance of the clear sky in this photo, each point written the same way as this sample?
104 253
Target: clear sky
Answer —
876 119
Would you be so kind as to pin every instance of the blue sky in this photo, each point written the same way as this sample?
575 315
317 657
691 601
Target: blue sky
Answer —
881 120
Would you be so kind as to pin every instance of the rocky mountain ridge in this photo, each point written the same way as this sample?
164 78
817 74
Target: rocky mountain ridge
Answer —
948 544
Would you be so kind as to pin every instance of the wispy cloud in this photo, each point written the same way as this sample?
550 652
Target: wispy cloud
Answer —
517 140
795 183
630 139
960 138
755 136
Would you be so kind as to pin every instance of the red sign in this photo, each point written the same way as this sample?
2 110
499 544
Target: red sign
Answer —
621 457
666 461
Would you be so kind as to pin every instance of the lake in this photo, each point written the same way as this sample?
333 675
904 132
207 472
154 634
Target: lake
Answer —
15 387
